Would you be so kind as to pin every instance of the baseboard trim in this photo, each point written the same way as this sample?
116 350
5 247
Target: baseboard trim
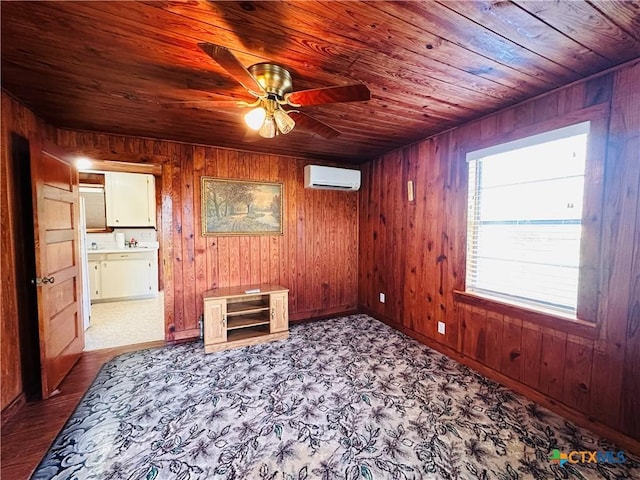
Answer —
11 409
323 313
131 347
186 334
620 439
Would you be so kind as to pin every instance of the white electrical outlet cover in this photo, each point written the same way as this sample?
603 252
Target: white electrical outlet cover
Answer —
441 328
381 297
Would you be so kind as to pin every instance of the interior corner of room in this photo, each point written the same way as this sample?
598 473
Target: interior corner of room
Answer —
370 206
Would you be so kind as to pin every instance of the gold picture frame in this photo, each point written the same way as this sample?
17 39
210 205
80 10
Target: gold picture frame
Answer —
241 207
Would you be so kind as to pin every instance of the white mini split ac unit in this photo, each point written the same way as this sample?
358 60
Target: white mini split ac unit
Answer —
331 178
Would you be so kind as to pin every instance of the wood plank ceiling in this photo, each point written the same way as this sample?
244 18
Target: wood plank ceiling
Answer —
112 66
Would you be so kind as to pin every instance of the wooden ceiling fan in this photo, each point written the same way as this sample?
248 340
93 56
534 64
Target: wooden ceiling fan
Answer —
272 87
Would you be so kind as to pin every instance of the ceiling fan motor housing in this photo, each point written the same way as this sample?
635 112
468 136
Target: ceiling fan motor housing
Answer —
274 79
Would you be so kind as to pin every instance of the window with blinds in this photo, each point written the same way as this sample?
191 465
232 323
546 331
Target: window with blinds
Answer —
524 219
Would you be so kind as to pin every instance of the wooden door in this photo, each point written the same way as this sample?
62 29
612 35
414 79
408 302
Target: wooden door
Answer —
55 220
215 321
279 312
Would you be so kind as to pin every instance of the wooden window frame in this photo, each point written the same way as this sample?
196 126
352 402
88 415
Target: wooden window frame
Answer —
586 318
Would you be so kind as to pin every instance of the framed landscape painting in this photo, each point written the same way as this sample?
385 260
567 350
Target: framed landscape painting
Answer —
241 207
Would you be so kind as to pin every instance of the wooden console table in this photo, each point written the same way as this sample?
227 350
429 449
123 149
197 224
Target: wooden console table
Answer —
245 315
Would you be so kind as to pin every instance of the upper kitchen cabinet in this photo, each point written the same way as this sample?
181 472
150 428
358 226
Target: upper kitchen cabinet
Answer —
130 199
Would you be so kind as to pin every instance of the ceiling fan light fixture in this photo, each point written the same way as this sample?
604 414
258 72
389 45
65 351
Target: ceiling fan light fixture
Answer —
272 87
268 129
255 119
284 121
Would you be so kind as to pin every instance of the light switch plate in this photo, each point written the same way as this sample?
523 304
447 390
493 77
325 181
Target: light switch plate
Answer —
410 191
441 328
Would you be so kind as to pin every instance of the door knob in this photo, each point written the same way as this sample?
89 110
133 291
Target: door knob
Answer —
41 281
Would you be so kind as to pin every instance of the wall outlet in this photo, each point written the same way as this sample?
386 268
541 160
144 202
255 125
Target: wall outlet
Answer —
441 328
381 297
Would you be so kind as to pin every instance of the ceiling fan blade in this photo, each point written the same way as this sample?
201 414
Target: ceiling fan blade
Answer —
206 104
228 61
305 122
318 96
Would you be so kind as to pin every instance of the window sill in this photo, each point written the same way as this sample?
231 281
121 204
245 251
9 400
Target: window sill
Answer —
563 323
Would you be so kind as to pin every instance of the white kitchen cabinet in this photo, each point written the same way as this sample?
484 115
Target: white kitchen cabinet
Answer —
130 199
95 289
123 275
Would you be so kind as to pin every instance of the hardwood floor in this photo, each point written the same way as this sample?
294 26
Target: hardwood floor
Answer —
27 435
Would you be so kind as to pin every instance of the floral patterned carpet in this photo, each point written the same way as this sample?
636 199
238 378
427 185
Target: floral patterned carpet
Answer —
347 398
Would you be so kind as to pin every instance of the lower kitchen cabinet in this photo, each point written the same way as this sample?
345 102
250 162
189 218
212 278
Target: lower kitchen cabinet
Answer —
120 276
95 285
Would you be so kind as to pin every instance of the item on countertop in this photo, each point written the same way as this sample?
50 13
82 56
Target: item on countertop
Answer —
119 240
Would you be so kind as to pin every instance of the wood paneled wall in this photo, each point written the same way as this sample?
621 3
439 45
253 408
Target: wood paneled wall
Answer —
414 252
316 258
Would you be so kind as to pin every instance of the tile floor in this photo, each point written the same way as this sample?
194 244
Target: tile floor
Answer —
114 324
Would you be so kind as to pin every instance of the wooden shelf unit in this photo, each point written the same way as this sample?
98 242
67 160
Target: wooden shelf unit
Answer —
234 318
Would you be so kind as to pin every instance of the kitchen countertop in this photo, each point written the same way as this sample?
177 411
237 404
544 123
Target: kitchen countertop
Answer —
121 250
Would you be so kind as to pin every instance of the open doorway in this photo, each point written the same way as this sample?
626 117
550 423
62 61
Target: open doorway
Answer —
121 254
125 322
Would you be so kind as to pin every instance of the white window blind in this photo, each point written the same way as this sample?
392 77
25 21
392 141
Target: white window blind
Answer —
524 219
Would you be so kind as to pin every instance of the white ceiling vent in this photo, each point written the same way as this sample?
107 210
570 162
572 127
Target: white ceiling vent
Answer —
331 178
